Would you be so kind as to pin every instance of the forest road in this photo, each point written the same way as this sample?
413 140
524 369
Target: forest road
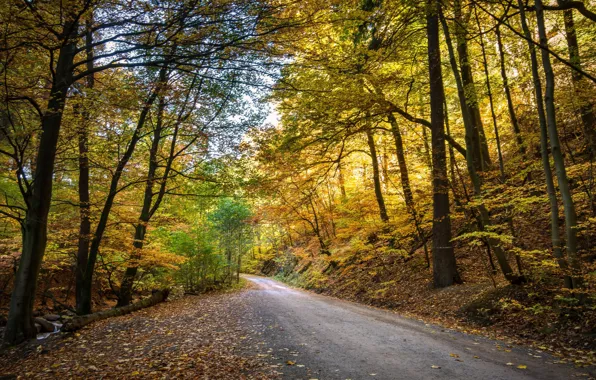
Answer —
311 336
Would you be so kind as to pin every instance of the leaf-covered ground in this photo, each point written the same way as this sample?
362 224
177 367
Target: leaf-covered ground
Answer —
196 337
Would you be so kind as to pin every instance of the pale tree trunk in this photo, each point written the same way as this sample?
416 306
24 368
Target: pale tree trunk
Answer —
555 146
550 185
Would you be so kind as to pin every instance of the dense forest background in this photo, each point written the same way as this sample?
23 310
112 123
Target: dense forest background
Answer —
375 150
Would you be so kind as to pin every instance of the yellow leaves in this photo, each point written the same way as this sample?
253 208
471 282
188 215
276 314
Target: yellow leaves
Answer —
519 366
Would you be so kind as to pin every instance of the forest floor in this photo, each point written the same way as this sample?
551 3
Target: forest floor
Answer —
195 337
267 331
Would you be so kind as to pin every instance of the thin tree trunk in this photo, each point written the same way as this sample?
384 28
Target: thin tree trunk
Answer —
479 143
512 116
490 98
317 228
555 146
20 324
444 265
405 183
586 107
497 136
376 176
483 216
550 185
84 198
340 178
86 291
126 285
452 161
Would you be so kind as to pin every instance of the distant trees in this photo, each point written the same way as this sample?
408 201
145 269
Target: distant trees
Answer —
230 219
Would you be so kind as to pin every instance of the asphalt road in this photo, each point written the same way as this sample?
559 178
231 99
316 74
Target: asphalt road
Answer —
309 336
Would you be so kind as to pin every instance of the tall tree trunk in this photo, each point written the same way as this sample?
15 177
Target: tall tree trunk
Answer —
444 265
489 92
84 199
550 185
20 324
86 290
555 146
481 154
483 216
586 106
510 223
512 116
126 285
376 176
405 182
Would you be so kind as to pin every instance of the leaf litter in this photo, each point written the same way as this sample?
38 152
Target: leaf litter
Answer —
193 337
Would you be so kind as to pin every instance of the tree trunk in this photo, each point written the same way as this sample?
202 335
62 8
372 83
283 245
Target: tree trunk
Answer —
340 178
86 290
481 154
82 321
489 92
405 182
126 285
84 199
376 176
555 146
550 185
483 216
444 265
586 107
20 317
512 116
